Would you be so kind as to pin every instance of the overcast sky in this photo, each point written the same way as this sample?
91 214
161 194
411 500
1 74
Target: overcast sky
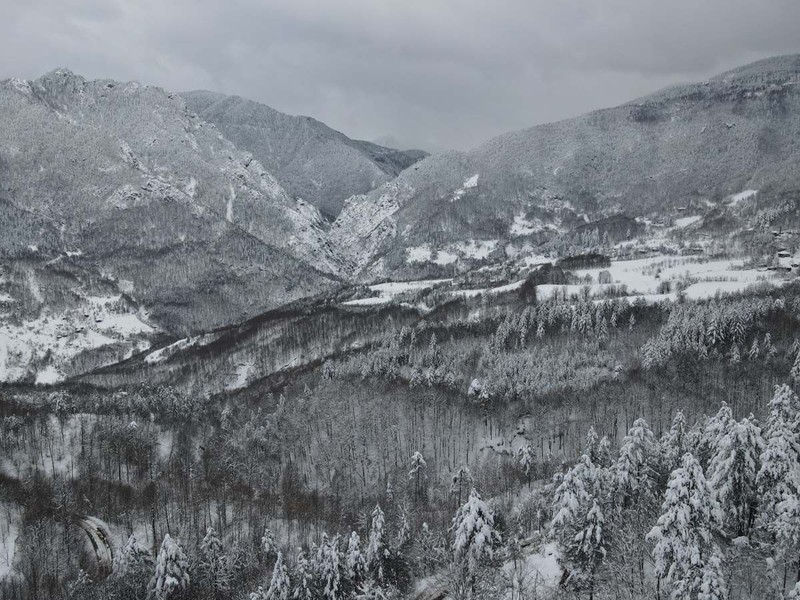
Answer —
432 73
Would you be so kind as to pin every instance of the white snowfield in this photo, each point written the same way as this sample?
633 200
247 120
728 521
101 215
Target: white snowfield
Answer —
469 183
536 575
469 249
687 221
704 278
736 198
387 291
164 353
65 335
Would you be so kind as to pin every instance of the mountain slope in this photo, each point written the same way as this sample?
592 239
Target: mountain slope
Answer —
692 143
147 195
309 159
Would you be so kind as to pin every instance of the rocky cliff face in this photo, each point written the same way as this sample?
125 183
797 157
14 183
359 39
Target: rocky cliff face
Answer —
309 159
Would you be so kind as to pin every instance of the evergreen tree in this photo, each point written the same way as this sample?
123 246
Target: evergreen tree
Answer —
376 549
579 523
326 566
303 577
526 460
635 477
779 476
732 474
461 482
795 372
355 562
171 572
685 553
280 587
754 350
417 471
673 443
213 560
475 536
132 559
269 545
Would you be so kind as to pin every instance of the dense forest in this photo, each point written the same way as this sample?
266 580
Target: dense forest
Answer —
540 448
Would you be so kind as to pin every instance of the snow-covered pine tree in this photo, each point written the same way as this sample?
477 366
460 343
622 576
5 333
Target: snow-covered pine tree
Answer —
303 578
462 481
376 548
213 562
634 472
474 535
416 472
269 545
355 562
280 588
673 442
579 523
131 560
754 351
403 533
732 473
685 554
326 566
779 476
795 372
526 460
769 348
171 571
736 357
715 429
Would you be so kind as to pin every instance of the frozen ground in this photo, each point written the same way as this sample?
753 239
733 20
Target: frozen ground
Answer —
45 345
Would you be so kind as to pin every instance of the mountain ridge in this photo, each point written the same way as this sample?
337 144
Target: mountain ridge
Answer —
311 160
686 143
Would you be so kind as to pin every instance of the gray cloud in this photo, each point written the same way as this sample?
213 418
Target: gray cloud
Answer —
432 73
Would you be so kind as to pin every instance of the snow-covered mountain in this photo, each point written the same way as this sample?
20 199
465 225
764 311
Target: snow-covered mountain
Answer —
308 158
697 143
121 183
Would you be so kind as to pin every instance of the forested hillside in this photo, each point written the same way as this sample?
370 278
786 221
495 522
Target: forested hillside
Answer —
622 420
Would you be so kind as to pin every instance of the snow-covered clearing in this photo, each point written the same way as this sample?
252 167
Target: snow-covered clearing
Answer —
469 183
65 335
469 249
387 291
164 353
523 226
737 198
502 289
686 221
645 277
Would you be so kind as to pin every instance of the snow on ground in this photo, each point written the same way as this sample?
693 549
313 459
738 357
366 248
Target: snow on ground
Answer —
704 278
477 249
539 573
686 221
523 226
48 376
469 249
242 376
164 353
502 289
736 198
64 335
471 182
387 291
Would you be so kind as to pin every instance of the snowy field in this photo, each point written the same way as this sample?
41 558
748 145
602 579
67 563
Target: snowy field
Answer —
98 323
387 291
643 277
